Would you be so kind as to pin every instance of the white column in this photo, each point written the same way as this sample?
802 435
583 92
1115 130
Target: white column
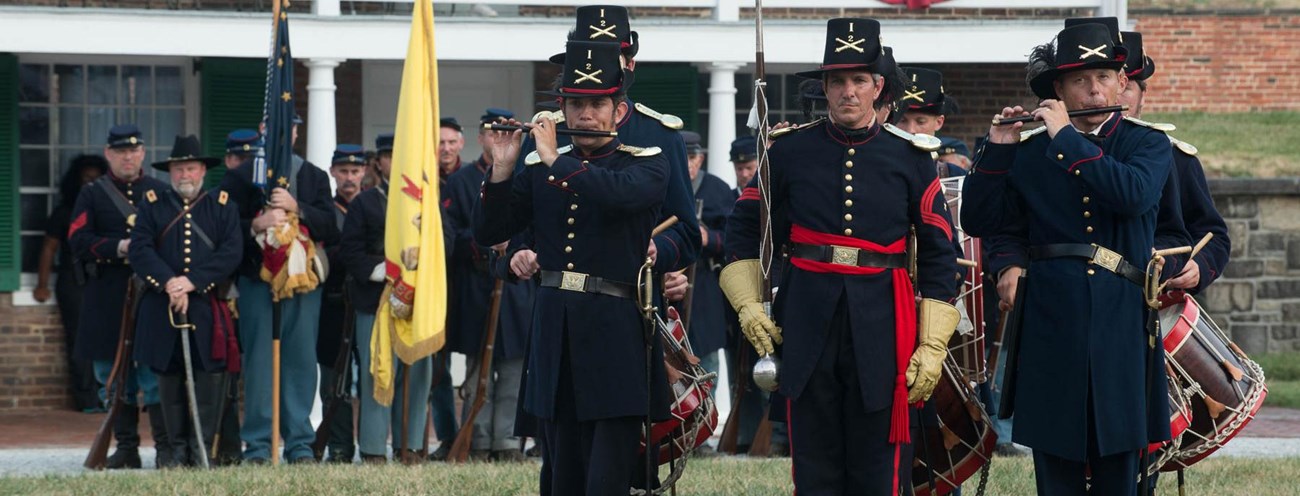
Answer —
321 132
727 11
325 7
722 119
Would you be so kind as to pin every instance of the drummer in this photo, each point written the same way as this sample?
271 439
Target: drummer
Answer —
1083 360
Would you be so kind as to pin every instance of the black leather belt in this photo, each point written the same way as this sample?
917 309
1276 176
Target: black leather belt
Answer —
1097 255
847 255
583 283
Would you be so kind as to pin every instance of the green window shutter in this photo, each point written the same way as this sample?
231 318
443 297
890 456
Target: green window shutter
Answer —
10 258
232 91
669 88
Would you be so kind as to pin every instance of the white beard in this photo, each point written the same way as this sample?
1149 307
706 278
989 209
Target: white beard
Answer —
187 191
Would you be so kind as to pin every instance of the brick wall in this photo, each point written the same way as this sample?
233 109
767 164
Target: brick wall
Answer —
1222 61
33 374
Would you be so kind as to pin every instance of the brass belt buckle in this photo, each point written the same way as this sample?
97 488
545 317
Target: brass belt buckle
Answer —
844 255
1106 258
573 281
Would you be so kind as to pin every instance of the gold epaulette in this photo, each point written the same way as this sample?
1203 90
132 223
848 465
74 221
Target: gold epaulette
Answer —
923 141
1025 135
534 159
637 151
556 116
669 121
223 197
151 196
1184 146
777 133
1158 126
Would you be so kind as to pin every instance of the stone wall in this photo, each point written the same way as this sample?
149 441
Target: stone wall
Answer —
1257 301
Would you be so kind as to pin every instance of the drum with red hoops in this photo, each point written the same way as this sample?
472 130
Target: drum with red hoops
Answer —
959 445
1225 388
967 344
693 416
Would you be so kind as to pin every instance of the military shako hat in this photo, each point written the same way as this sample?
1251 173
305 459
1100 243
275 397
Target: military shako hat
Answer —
924 92
603 23
241 141
744 149
1080 47
851 43
590 69
349 154
384 142
1139 66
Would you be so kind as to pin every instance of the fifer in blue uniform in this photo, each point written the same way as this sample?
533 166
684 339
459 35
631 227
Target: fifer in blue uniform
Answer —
99 234
310 186
592 209
845 194
1083 364
184 244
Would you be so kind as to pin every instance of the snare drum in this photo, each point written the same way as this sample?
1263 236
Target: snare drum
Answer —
959 444
1225 388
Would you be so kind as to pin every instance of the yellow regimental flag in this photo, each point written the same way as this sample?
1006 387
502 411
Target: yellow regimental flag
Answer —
411 320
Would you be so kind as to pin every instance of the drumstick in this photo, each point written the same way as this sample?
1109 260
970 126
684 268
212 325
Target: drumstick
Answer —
1200 244
966 263
1179 250
663 226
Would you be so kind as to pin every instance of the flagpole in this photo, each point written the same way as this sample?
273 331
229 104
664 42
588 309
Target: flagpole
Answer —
276 311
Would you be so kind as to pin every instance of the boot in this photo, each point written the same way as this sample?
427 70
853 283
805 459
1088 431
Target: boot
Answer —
174 417
126 430
161 443
230 450
207 393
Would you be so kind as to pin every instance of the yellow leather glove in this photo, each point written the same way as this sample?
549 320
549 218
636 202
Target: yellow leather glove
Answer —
935 324
742 282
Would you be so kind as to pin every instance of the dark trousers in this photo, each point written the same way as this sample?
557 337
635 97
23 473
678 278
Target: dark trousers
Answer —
176 412
1110 475
593 458
81 376
838 448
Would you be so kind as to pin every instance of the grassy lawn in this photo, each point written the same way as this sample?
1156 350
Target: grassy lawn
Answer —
718 476
1239 144
1282 371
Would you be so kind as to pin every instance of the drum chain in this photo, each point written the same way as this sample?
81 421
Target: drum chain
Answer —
984 477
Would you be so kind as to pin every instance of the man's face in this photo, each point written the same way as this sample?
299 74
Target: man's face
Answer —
1090 88
849 97
348 177
745 172
694 163
594 114
384 163
483 145
921 123
450 143
187 177
125 161
1132 97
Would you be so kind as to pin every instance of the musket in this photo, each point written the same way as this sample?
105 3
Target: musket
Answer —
765 371
687 300
342 371
464 438
97 458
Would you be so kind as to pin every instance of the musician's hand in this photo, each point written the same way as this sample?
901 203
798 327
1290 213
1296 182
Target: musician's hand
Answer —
281 199
1009 134
1053 114
675 285
41 294
1189 278
503 146
1007 283
653 252
781 125
544 135
271 217
704 236
123 248
524 264
758 328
